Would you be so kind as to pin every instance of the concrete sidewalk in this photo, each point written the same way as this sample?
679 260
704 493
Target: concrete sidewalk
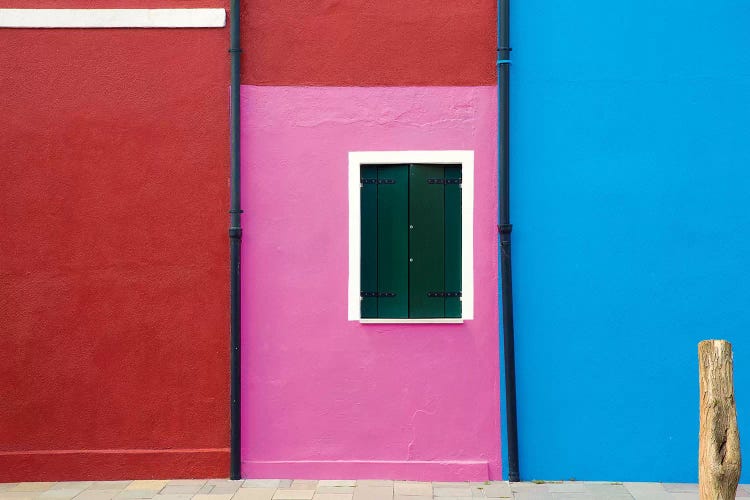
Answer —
287 489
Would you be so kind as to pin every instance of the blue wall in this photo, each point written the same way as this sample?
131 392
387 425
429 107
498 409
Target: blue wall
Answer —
630 156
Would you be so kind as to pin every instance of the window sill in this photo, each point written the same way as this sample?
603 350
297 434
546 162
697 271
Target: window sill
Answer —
381 321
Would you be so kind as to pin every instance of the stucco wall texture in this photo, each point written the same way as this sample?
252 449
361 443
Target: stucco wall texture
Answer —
366 43
630 230
325 397
114 307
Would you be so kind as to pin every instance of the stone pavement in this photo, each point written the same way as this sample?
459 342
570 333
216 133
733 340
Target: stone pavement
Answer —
287 489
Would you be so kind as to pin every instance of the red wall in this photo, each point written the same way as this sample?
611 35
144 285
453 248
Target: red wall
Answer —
114 158
369 43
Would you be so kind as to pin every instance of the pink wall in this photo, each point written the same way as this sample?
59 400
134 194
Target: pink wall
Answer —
324 397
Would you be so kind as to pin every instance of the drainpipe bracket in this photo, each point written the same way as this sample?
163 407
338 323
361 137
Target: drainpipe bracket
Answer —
504 228
503 51
235 233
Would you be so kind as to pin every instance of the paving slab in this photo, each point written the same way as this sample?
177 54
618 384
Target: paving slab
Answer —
147 484
8 495
337 482
129 494
566 487
680 487
452 492
61 493
575 495
412 488
647 491
684 496
226 487
261 483
335 490
373 493
293 494
185 496
29 487
529 488
497 490
181 489
96 494
375 482
254 494
608 489
213 497
71 485
531 495
109 485
304 484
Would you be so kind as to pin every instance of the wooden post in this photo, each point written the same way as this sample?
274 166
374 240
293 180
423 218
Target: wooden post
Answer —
719 461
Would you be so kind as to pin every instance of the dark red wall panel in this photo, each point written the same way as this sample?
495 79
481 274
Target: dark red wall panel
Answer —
114 158
369 43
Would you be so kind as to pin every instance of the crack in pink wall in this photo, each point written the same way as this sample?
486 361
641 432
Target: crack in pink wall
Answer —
323 397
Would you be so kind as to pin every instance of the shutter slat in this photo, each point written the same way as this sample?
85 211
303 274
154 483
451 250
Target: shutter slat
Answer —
393 241
426 242
369 241
452 242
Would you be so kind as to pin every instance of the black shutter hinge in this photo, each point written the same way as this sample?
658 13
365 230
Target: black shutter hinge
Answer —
377 181
443 181
443 294
377 294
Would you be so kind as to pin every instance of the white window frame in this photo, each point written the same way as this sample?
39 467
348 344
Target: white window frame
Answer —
466 160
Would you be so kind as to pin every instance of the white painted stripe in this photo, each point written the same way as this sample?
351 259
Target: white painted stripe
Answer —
112 18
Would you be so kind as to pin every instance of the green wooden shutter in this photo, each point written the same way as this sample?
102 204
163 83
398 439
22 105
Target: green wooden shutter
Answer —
426 241
369 241
393 241
411 241
452 241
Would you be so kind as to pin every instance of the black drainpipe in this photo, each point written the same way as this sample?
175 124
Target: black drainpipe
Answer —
505 227
235 240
